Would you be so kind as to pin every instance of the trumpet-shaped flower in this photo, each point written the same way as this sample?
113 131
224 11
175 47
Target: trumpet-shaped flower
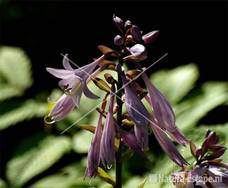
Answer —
94 152
137 112
107 151
167 145
62 107
163 112
74 81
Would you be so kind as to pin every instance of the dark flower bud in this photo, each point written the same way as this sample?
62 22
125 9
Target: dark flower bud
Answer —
211 138
118 40
150 37
127 24
119 23
136 34
109 78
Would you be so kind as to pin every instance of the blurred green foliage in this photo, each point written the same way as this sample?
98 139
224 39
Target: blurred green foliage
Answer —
39 152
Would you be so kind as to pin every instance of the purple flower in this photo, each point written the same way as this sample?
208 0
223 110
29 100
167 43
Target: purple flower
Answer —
94 152
74 81
137 112
163 112
107 151
167 145
62 108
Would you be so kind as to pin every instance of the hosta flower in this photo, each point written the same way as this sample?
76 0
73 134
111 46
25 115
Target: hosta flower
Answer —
94 151
167 145
107 151
163 112
74 81
62 107
137 112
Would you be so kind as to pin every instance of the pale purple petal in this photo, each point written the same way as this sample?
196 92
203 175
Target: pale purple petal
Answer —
60 73
86 71
163 112
71 85
62 108
76 98
94 151
66 63
89 93
138 53
167 145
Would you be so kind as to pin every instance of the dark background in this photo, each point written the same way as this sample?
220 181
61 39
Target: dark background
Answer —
194 31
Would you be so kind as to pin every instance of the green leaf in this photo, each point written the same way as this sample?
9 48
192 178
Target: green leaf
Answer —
82 141
28 110
176 83
8 91
24 167
192 110
70 176
2 184
15 72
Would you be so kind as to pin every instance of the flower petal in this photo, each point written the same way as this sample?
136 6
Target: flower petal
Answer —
60 73
167 145
62 108
94 151
163 112
66 63
89 93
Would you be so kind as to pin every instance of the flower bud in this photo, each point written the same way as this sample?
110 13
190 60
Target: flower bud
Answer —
118 40
101 84
119 23
150 37
109 78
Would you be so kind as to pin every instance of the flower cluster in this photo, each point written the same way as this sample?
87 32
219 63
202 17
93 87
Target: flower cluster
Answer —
209 170
137 122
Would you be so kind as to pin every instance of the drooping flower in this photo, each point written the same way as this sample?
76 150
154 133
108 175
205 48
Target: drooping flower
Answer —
167 145
137 112
62 107
107 149
94 151
74 81
163 112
